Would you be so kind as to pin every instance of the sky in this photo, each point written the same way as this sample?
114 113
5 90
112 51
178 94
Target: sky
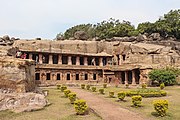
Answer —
29 19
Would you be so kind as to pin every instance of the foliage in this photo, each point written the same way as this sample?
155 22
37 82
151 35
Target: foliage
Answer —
63 88
147 93
143 86
161 107
72 97
58 86
127 85
163 76
83 86
101 91
162 86
88 87
66 92
111 94
80 107
121 95
105 85
168 26
136 100
93 89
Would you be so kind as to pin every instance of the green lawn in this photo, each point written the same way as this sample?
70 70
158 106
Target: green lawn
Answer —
147 108
61 109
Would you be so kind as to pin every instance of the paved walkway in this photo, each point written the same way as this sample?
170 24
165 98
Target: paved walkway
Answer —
106 109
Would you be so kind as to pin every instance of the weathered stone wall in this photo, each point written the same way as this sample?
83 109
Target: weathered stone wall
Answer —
17 74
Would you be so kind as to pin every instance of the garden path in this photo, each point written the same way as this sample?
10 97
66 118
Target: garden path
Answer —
104 108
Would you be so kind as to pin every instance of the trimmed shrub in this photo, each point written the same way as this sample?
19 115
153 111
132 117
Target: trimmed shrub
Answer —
93 89
127 85
88 87
121 95
147 93
72 97
105 85
58 86
66 92
101 91
161 107
83 86
63 88
111 94
144 86
162 86
80 107
136 100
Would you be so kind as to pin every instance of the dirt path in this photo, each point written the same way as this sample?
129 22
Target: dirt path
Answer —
106 109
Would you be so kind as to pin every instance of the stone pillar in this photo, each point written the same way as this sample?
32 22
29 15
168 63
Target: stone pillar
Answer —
69 60
126 77
40 58
77 60
100 61
94 61
133 77
120 59
60 59
30 56
50 59
85 61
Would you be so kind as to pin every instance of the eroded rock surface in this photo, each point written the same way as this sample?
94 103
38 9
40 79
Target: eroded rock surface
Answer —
20 102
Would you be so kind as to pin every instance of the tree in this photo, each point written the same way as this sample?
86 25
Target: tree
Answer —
163 76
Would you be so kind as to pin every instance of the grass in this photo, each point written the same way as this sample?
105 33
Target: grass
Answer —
60 109
147 109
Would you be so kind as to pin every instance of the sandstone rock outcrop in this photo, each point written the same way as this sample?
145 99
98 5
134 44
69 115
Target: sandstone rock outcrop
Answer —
80 35
17 74
20 102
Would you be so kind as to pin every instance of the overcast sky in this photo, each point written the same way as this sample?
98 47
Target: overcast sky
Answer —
45 18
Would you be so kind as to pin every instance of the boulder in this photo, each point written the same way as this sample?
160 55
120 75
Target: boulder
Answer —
155 36
21 102
141 38
6 38
81 35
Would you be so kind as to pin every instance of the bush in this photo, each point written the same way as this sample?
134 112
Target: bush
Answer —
58 86
80 107
162 86
136 100
63 88
147 93
161 107
101 91
87 87
83 86
66 92
111 94
165 76
105 85
143 86
121 95
127 85
72 97
93 89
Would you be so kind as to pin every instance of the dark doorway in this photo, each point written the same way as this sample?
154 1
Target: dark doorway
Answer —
45 58
55 59
37 76
68 76
73 59
81 61
97 61
58 76
27 55
35 57
137 74
104 61
77 76
89 59
48 76
64 59
94 76
123 77
129 77
86 76
124 57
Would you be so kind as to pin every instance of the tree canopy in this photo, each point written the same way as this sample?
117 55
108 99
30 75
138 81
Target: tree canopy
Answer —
166 26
